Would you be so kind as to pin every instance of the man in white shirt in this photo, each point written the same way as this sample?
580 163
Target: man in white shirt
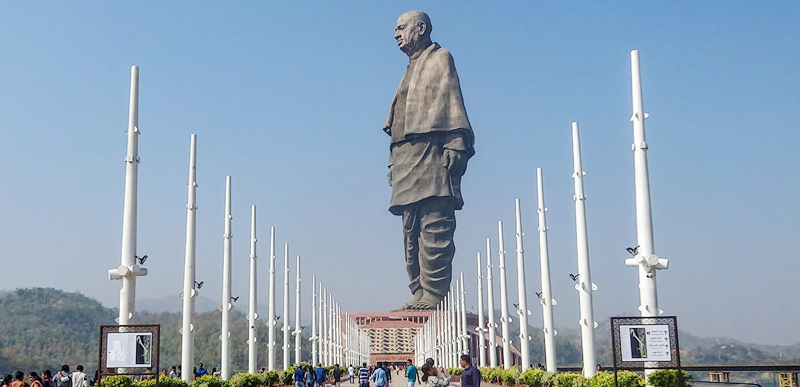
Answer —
79 378
351 371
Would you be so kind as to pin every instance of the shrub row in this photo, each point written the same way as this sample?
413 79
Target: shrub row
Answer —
537 378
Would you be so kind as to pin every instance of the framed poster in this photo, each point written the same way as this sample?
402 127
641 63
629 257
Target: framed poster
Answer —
129 350
645 342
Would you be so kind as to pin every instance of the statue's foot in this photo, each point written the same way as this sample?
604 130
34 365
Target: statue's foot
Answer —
427 302
415 299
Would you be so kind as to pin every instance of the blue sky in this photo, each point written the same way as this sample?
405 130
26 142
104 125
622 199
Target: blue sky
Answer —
289 99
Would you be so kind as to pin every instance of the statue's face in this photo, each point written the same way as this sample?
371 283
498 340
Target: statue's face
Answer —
407 32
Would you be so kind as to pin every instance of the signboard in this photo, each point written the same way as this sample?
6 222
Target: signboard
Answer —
129 350
645 342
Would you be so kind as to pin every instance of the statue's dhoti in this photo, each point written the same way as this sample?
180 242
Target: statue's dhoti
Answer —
428 226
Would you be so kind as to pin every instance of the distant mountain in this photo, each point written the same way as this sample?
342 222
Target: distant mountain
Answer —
45 328
174 304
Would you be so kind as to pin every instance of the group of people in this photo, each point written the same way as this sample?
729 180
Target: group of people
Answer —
428 375
311 377
62 378
199 371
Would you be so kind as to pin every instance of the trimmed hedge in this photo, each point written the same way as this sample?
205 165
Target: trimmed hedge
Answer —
667 378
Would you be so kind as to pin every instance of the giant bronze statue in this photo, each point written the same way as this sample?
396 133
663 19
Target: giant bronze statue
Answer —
431 142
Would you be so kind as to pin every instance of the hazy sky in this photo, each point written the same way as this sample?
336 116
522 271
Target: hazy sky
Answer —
289 98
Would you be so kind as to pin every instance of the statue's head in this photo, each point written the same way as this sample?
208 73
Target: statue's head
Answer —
413 32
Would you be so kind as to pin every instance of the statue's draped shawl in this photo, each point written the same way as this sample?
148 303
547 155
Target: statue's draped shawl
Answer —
434 102
435 119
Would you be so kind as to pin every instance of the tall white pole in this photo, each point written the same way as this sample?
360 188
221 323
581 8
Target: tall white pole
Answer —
286 333
329 330
298 330
322 333
490 305
457 325
225 366
252 316
464 331
522 296
585 287
481 328
314 332
546 297
187 342
129 268
645 257
504 318
454 321
272 322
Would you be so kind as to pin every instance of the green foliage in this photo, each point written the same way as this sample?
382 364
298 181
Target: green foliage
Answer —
569 379
455 371
171 382
510 376
549 379
531 377
117 381
601 379
629 379
287 375
206 381
667 378
492 375
272 378
247 380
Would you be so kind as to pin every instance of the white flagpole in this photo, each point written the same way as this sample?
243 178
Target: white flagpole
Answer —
189 293
490 305
253 314
298 330
129 268
546 297
504 318
286 333
522 311
481 328
226 306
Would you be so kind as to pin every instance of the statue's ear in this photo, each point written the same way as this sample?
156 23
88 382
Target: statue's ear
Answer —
422 28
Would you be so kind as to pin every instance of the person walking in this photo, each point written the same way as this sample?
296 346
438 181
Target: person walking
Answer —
363 376
309 377
79 378
34 379
63 378
299 376
337 375
470 377
351 372
429 376
47 378
320 376
411 373
18 382
380 376
201 371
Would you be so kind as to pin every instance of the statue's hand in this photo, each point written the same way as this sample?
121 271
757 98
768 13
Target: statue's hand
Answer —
389 176
453 161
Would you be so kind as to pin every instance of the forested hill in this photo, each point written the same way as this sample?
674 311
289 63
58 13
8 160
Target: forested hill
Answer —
45 328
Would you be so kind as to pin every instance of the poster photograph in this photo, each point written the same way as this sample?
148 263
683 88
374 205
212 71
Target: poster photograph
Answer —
129 350
645 343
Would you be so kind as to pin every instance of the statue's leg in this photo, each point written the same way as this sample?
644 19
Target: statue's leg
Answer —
411 241
437 226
